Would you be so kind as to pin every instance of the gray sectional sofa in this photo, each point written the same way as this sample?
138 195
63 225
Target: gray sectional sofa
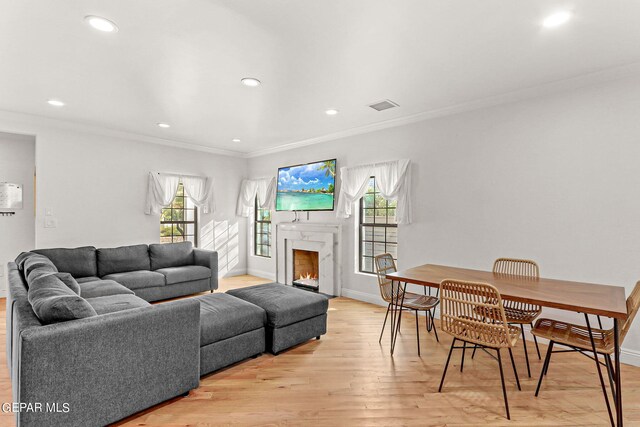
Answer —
153 272
97 359
82 336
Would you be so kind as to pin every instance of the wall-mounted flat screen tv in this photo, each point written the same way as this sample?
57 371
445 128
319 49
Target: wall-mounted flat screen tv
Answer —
308 187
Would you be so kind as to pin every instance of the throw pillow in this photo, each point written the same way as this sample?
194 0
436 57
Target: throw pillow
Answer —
53 301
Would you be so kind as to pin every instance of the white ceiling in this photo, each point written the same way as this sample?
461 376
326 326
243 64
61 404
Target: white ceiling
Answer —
181 62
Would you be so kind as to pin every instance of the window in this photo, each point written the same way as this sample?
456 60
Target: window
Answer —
378 228
179 220
262 231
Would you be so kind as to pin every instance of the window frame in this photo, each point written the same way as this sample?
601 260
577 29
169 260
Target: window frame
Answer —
257 221
183 222
362 224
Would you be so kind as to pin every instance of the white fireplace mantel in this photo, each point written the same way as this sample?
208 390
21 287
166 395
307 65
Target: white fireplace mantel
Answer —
322 238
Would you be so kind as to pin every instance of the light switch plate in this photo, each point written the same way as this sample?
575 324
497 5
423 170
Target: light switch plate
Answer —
50 222
48 211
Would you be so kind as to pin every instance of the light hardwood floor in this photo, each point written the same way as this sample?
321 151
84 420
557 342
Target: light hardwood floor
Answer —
347 378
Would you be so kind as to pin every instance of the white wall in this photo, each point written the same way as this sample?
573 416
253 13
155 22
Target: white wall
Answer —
554 179
17 233
95 185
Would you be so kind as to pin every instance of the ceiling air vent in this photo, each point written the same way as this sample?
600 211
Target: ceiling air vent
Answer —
383 105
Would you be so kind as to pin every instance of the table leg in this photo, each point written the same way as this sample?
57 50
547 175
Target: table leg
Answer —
595 357
393 314
618 377
399 313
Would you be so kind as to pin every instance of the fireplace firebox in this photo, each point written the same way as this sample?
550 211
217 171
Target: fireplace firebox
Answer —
306 269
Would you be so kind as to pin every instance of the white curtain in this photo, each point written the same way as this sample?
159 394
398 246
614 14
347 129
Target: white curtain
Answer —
264 189
353 185
246 197
266 192
198 189
160 192
393 180
163 187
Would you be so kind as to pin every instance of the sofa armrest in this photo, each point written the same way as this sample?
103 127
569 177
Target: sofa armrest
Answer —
208 259
107 367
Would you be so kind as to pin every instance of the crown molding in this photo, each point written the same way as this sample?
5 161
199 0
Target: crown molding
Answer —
31 124
563 85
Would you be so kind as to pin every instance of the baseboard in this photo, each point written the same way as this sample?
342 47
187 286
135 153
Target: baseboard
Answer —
234 272
627 356
261 273
363 296
630 357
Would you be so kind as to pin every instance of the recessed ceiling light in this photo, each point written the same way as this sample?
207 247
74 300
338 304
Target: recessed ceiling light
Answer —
235 140
556 19
331 112
101 24
164 125
250 81
55 103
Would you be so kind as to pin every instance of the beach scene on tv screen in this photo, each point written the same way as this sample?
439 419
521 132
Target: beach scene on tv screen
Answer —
306 187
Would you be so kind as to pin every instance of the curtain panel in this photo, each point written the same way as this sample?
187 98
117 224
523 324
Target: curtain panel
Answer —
393 180
198 189
162 189
264 189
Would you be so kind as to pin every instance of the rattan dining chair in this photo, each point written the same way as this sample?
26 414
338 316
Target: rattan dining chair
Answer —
520 313
577 337
412 301
473 313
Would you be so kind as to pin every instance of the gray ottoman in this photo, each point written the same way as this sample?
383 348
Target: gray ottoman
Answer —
293 315
231 330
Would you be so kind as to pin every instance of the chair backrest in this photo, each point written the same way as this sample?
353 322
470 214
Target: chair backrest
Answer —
464 310
385 265
633 304
516 267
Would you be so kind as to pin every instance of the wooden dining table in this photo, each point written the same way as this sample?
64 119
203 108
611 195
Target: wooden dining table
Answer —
586 298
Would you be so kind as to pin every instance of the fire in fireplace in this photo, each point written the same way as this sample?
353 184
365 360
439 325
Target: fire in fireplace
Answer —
305 269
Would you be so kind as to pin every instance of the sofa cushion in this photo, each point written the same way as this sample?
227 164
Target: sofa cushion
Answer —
123 259
223 316
68 280
186 273
284 304
170 255
37 271
52 301
102 288
138 279
113 303
20 259
87 279
36 265
79 262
